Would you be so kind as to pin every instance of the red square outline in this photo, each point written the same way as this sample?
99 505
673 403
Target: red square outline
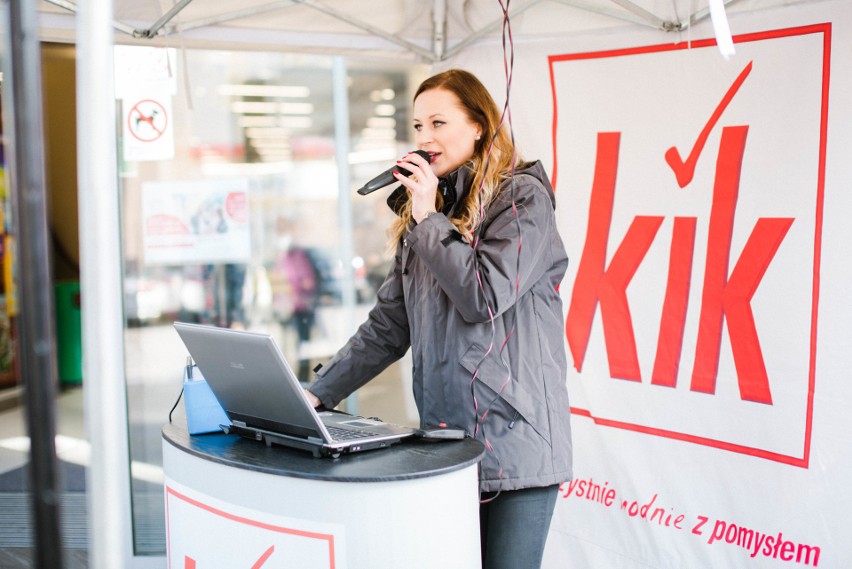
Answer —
279 529
825 29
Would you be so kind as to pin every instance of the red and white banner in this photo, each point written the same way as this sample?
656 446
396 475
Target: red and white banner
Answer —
704 203
204 532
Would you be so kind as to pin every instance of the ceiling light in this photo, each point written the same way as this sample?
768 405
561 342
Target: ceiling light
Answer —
381 122
271 132
257 108
267 121
264 91
385 110
295 122
295 108
382 95
383 133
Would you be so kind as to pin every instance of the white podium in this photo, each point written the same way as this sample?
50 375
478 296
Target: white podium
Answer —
236 503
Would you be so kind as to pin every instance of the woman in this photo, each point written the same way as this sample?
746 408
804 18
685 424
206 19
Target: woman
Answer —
473 292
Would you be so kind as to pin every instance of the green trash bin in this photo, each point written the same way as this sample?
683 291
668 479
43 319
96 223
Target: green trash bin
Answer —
69 332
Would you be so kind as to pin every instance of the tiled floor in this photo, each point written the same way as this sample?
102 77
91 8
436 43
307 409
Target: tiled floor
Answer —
17 558
16 536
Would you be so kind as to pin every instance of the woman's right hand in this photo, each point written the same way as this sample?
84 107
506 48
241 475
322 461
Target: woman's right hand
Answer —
422 185
313 399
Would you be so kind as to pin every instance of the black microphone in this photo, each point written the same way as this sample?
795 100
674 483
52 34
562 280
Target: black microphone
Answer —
386 177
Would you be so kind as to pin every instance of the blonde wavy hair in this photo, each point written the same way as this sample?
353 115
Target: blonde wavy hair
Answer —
494 156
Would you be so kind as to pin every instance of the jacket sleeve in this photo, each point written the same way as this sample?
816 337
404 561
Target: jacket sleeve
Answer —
381 340
512 253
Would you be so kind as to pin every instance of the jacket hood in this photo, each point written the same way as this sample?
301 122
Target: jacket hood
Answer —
536 170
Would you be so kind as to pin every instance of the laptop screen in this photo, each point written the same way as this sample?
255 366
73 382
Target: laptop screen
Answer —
251 379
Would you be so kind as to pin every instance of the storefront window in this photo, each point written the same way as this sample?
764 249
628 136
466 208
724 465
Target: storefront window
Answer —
230 217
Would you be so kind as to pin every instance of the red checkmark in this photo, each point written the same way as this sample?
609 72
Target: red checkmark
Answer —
263 558
684 170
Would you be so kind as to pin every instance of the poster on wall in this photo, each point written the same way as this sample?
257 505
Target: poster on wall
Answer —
196 222
692 191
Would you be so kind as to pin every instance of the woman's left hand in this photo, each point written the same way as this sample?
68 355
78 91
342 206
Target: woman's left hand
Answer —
313 399
422 185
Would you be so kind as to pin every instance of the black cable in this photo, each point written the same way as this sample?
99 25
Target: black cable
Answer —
176 404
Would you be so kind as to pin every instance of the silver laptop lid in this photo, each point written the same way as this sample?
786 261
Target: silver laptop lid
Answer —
252 380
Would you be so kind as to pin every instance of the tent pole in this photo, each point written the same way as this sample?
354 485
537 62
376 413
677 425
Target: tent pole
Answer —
235 15
164 19
439 29
368 28
704 13
644 14
38 342
104 386
610 13
344 203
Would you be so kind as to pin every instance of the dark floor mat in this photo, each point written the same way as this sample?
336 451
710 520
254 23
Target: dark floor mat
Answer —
72 478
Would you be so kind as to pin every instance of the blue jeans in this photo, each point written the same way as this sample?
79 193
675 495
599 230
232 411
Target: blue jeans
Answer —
513 527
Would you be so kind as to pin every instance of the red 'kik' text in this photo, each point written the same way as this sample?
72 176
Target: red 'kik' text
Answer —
724 298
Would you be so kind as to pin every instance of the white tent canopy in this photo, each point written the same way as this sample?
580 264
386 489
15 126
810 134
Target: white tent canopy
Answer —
401 29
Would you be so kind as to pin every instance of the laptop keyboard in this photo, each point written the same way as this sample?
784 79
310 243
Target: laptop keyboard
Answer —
339 434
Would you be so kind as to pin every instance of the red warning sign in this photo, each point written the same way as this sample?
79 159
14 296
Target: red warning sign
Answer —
147 120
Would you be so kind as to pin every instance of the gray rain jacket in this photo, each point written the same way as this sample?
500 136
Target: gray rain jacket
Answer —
455 305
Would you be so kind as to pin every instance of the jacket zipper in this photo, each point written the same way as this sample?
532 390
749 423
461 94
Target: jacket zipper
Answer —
512 422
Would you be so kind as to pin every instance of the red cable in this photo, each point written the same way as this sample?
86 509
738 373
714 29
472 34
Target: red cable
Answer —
508 67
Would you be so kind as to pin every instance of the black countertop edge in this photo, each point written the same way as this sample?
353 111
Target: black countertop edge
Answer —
408 460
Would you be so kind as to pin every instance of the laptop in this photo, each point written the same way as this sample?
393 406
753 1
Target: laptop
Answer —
264 400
